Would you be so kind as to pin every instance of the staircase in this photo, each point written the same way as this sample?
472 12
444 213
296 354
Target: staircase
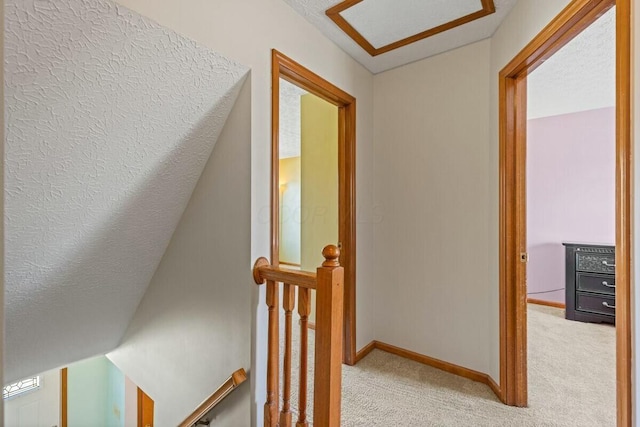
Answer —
328 283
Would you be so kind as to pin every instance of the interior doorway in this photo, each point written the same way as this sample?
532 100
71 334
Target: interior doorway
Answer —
145 409
308 180
577 16
284 68
570 206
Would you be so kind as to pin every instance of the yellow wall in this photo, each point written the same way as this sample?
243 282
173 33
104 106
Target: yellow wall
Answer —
290 210
319 171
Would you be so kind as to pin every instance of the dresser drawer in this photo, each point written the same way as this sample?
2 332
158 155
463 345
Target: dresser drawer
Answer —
597 263
595 303
601 283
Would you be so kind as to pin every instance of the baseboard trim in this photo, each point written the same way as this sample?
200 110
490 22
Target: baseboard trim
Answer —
547 303
433 362
365 351
494 387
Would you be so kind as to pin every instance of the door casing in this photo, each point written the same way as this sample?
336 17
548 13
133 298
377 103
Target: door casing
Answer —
145 409
289 70
578 15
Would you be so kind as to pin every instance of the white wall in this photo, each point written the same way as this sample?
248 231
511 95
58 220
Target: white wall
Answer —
431 127
130 403
40 407
246 31
436 212
107 132
193 326
2 207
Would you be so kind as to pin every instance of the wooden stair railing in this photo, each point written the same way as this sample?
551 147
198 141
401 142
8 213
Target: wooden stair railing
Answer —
328 282
237 378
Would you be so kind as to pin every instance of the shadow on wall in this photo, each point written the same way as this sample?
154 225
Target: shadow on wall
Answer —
193 327
84 307
546 272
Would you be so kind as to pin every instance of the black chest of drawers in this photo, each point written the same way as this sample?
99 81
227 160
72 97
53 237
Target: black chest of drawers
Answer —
590 282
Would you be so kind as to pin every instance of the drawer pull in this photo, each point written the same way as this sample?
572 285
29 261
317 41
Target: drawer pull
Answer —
605 283
607 305
607 264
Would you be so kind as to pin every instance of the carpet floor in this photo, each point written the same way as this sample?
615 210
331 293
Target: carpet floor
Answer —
571 383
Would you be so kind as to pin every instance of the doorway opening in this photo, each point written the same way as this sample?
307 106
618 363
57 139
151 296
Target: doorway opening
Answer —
287 70
570 208
576 17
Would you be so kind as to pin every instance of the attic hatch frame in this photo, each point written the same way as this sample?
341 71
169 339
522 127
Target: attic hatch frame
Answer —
571 21
487 7
291 71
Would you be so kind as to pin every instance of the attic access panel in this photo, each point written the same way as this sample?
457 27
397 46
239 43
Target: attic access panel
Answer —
380 26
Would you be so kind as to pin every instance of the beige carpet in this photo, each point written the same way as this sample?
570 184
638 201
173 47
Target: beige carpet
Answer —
571 383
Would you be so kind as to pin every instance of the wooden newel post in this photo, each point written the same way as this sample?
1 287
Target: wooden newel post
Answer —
328 360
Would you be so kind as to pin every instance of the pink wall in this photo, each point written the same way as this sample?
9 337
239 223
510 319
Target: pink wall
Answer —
570 192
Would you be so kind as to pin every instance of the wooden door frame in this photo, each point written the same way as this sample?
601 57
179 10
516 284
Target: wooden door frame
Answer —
64 417
578 15
142 396
289 70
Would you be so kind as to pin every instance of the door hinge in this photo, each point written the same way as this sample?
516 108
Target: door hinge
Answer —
524 257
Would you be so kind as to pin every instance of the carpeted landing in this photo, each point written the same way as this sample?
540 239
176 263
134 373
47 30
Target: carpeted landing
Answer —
571 383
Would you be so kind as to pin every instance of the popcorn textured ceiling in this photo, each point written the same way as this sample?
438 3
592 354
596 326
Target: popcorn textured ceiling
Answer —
480 29
579 77
110 120
289 139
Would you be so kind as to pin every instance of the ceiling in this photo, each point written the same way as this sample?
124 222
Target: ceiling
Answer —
107 132
373 21
382 22
580 76
289 123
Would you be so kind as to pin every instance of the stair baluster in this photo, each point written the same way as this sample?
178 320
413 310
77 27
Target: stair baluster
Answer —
271 406
304 310
288 303
328 281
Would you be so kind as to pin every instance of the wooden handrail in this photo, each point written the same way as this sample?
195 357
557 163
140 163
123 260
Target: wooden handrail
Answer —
262 272
237 378
328 282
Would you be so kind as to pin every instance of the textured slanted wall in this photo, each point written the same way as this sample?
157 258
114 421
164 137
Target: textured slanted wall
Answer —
246 31
193 326
110 120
